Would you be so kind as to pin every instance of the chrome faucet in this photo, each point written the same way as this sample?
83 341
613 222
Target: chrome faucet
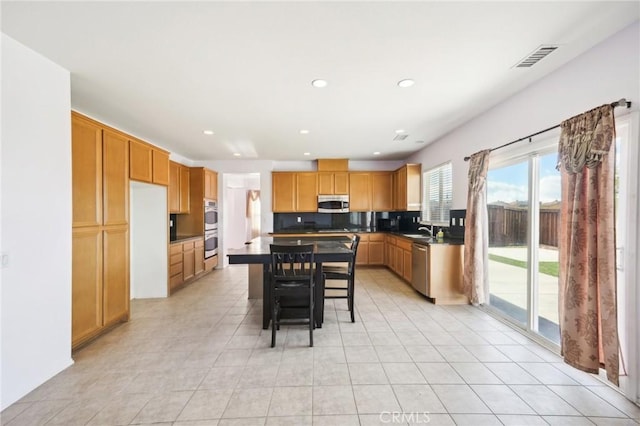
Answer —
426 228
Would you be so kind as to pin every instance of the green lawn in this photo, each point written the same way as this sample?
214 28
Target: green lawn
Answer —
548 268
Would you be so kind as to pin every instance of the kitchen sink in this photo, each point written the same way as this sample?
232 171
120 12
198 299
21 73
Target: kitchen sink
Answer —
421 236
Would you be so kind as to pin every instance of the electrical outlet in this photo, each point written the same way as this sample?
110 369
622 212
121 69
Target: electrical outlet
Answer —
4 260
299 219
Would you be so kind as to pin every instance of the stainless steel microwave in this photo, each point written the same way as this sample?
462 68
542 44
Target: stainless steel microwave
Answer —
333 204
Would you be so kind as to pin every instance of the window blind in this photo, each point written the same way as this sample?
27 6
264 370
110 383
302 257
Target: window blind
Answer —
437 194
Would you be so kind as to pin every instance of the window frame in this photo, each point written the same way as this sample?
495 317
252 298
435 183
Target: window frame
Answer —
425 210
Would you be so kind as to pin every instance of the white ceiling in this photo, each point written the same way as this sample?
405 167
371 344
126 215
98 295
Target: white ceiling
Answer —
166 71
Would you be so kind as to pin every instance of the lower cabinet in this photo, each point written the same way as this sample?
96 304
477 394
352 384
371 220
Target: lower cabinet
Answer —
186 262
100 280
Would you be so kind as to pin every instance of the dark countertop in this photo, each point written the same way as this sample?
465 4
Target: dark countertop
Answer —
332 249
183 238
413 236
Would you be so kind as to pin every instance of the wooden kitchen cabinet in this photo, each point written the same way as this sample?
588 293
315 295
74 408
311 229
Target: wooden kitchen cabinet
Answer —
376 249
86 289
210 185
407 196
382 191
362 257
100 228
359 191
306 192
115 274
179 193
186 262
148 163
283 192
446 266
333 183
86 163
160 174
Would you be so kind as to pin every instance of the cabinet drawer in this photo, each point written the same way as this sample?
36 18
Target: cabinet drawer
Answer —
404 244
187 246
199 243
376 237
175 249
175 259
175 269
391 240
364 237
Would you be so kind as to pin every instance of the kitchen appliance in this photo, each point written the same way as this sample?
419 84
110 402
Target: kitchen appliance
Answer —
333 204
388 225
420 268
210 229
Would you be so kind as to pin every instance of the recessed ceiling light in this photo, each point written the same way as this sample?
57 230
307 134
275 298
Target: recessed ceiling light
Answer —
208 132
399 131
307 153
304 132
376 153
407 82
236 154
319 83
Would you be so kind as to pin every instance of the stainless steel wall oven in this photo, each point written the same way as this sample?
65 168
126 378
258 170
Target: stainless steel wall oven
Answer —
210 229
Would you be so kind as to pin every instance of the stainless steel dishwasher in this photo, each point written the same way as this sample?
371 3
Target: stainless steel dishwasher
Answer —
420 268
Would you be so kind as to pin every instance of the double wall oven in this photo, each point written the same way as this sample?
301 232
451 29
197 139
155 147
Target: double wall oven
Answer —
210 229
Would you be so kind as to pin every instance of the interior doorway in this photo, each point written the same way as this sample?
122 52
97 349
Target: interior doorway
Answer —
240 210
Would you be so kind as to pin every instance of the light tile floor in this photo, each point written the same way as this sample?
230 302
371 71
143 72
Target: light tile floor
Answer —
201 358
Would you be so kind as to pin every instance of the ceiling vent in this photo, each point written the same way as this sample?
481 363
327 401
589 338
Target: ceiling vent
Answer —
536 56
400 137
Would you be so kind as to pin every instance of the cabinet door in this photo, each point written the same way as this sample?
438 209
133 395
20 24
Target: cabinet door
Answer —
376 253
160 161
115 167
86 166
210 185
116 274
86 283
199 259
325 183
307 192
174 187
401 189
188 261
283 192
359 192
141 162
406 265
184 190
413 187
341 183
399 253
362 258
381 192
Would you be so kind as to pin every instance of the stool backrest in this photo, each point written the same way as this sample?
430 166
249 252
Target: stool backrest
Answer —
291 260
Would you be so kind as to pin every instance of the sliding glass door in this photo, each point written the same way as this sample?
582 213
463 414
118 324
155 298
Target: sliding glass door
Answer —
523 200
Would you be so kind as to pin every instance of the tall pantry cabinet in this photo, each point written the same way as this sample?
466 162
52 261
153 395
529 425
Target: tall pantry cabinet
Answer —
100 257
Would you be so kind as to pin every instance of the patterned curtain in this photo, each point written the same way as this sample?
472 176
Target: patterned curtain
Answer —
587 299
253 213
476 234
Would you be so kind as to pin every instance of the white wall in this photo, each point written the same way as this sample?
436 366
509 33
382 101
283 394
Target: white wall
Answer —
148 236
606 73
36 220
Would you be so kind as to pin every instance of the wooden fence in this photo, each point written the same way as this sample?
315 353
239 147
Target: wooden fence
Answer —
508 226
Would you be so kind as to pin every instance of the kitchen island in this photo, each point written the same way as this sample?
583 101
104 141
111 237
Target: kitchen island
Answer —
257 252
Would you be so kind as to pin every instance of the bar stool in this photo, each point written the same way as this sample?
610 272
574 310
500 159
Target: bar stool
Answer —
292 287
348 273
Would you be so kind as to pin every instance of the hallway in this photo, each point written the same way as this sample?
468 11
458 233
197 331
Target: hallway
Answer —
201 358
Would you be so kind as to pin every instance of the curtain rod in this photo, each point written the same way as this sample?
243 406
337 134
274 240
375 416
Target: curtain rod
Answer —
620 103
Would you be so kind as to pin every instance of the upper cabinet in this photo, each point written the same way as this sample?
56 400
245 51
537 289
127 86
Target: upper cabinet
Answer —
359 191
178 188
210 185
86 147
333 183
148 163
407 188
294 192
382 191
306 192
